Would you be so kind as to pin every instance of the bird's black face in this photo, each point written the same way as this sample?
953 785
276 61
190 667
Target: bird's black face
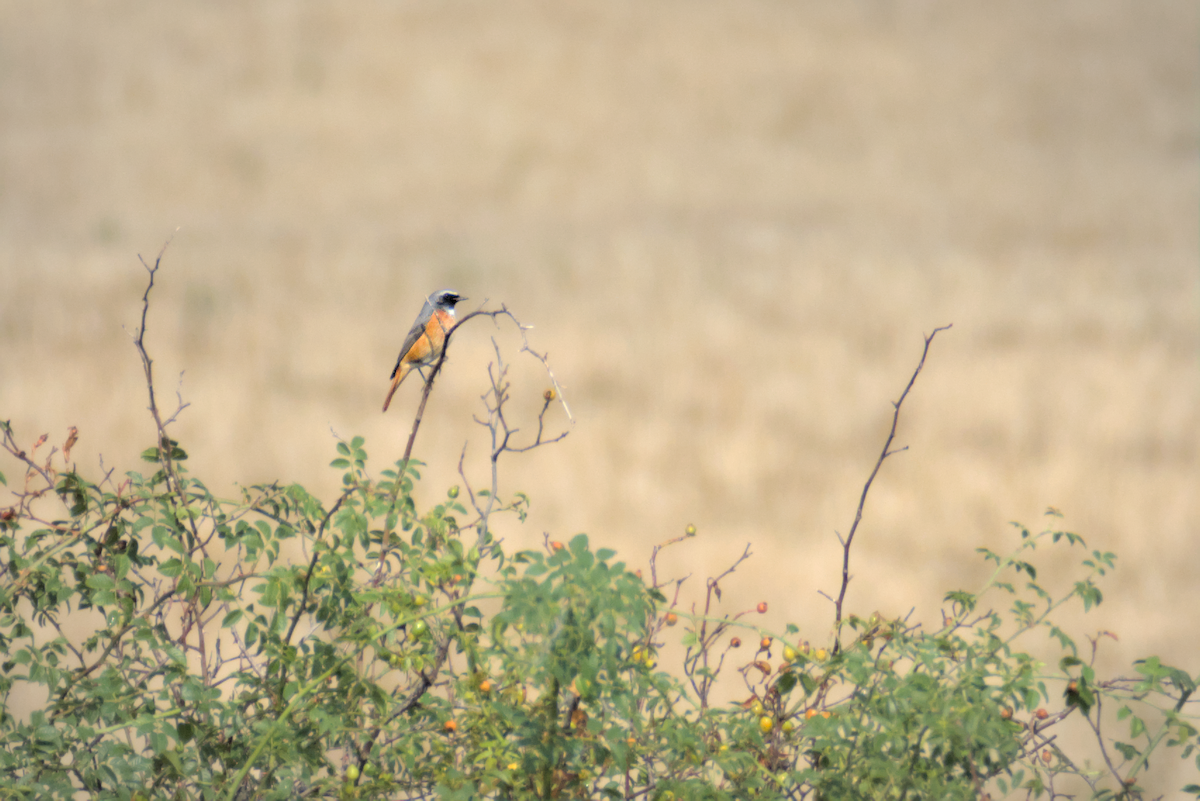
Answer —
447 298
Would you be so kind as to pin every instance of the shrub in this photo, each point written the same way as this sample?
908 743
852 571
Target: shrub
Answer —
407 654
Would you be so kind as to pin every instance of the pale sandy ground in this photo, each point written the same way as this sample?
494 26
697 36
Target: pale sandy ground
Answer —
730 223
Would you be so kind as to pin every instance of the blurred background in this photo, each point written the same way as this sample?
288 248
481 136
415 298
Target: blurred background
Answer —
730 224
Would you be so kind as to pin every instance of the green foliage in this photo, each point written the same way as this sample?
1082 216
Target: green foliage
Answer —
368 649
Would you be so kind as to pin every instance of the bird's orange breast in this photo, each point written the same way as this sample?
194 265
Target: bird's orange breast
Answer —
427 347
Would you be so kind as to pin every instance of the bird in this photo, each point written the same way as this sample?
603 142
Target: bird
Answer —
426 338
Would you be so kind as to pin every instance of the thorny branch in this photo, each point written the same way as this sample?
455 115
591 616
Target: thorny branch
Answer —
701 673
164 443
437 368
498 395
848 540
402 468
501 433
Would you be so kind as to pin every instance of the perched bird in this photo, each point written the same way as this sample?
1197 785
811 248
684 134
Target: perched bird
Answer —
426 338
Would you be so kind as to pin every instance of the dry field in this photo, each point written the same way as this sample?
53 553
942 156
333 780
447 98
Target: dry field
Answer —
730 223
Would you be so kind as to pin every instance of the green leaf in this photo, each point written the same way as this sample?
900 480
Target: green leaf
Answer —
1067 662
101 581
1128 751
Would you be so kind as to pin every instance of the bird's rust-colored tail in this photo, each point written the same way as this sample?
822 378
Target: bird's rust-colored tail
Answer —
401 372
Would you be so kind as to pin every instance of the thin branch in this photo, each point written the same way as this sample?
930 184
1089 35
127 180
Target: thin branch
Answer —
862 501
437 367
312 565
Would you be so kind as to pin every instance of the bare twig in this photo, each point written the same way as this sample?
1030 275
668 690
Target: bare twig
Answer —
437 368
696 659
501 432
148 369
166 445
862 501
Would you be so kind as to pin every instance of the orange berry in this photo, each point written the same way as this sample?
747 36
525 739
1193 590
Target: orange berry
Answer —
735 642
556 546
765 644
1041 714
810 714
672 618
450 726
762 607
